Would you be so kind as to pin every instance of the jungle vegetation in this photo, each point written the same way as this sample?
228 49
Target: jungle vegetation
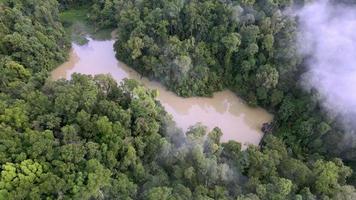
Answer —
94 138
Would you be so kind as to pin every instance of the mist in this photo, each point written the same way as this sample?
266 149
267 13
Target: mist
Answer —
327 37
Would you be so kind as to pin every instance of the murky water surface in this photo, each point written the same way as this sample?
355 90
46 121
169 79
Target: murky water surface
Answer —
225 110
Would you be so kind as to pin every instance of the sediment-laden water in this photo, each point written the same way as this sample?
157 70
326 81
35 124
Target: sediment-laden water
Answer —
224 110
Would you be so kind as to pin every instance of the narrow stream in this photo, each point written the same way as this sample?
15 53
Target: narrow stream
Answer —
225 110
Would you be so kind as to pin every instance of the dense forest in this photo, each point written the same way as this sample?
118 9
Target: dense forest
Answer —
198 47
94 138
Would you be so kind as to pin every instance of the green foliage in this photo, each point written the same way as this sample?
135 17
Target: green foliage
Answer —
31 40
90 138
198 47
69 16
249 48
67 4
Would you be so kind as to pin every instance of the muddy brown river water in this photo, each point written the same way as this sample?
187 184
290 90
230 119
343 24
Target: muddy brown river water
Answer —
225 110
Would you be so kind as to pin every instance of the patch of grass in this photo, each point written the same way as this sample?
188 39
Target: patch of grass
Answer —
2 4
80 39
102 34
68 17
77 25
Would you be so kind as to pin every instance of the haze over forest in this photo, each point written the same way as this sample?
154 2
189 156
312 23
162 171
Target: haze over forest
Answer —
327 36
240 62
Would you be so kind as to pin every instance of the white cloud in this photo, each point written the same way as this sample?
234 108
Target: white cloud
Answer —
328 37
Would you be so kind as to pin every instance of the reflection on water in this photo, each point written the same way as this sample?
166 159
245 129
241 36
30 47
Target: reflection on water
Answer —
225 110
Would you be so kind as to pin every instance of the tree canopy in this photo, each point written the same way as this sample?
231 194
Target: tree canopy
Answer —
94 138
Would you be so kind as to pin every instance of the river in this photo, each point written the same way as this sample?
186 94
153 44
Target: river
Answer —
225 110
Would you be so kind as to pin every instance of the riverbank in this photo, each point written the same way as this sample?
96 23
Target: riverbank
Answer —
225 110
